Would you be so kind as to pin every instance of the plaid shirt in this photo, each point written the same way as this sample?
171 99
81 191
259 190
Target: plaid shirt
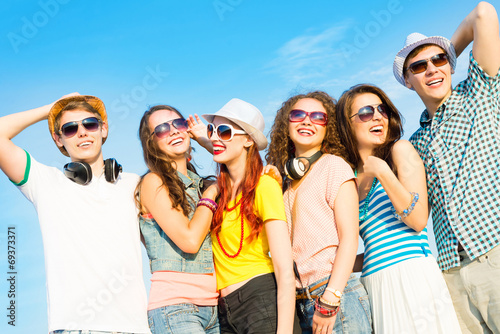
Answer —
460 148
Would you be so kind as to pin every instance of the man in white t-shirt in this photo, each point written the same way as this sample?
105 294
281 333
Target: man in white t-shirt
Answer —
87 217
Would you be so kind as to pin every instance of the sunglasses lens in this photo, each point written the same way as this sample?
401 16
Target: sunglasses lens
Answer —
382 109
297 116
318 118
180 124
210 130
162 130
418 66
366 113
69 129
224 132
91 123
440 59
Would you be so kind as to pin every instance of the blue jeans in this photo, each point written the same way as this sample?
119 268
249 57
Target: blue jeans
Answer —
184 318
354 315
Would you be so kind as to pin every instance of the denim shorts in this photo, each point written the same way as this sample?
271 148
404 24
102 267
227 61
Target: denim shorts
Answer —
184 318
354 315
252 308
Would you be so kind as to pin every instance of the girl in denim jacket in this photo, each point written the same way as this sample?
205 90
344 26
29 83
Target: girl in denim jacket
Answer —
175 223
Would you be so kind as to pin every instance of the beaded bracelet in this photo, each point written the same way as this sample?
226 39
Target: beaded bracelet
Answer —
327 303
208 203
323 310
406 212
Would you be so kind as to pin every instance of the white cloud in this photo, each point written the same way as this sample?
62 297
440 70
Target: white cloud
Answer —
310 55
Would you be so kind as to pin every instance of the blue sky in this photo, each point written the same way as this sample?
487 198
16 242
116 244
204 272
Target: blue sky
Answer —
196 56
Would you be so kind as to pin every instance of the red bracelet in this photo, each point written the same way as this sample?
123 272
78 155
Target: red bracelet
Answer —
208 203
325 311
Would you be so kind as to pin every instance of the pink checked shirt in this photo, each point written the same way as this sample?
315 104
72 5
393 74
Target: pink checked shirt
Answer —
311 220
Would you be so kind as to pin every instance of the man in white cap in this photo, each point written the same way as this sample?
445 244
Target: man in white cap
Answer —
88 220
459 143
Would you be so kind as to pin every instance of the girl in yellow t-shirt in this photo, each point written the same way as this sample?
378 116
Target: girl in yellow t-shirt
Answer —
249 226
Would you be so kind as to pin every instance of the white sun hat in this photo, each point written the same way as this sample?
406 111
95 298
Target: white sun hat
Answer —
415 40
246 116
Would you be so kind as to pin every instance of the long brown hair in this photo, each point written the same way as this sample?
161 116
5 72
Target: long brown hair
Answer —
281 148
253 169
347 135
161 164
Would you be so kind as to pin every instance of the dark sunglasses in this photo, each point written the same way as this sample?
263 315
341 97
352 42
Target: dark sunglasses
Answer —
316 117
224 132
163 130
420 66
366 113
71 128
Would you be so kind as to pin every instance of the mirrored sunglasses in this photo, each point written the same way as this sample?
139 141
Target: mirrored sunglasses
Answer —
163 130
71 128
316 117
366 113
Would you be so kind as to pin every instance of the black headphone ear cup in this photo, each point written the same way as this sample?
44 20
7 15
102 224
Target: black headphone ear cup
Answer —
111 170
295 168
78 172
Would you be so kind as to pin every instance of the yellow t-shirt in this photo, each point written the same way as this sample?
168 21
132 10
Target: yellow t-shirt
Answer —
254 258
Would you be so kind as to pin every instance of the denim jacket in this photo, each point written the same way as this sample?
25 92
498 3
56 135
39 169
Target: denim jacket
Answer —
163 253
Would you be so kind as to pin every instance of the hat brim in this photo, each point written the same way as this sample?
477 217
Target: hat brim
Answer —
440 41
257 136
56 109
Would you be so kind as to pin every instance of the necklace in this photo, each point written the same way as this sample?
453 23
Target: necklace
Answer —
363 212
242 234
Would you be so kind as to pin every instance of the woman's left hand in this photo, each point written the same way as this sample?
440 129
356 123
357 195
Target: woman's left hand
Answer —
198 131
374 166
323 324
196 128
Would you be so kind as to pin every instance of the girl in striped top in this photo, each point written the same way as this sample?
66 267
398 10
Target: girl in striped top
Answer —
407 291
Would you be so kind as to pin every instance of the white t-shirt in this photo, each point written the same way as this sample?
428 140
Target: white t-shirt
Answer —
92 250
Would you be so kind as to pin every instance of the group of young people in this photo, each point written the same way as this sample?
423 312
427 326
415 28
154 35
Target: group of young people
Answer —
273 249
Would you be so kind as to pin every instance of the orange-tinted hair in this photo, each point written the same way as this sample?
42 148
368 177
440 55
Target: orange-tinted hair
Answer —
253 169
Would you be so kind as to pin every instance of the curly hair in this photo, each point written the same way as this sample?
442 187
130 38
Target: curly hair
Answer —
347 135
161 164
253 169
281 148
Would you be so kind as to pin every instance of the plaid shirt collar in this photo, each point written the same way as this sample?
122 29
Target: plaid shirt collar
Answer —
443 113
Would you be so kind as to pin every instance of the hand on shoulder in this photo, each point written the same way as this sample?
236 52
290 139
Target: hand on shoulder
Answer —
375 166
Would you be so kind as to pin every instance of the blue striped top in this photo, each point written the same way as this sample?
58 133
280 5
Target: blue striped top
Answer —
388 240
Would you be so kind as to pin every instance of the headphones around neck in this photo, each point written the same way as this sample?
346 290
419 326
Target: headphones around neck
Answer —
81 173
296 168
